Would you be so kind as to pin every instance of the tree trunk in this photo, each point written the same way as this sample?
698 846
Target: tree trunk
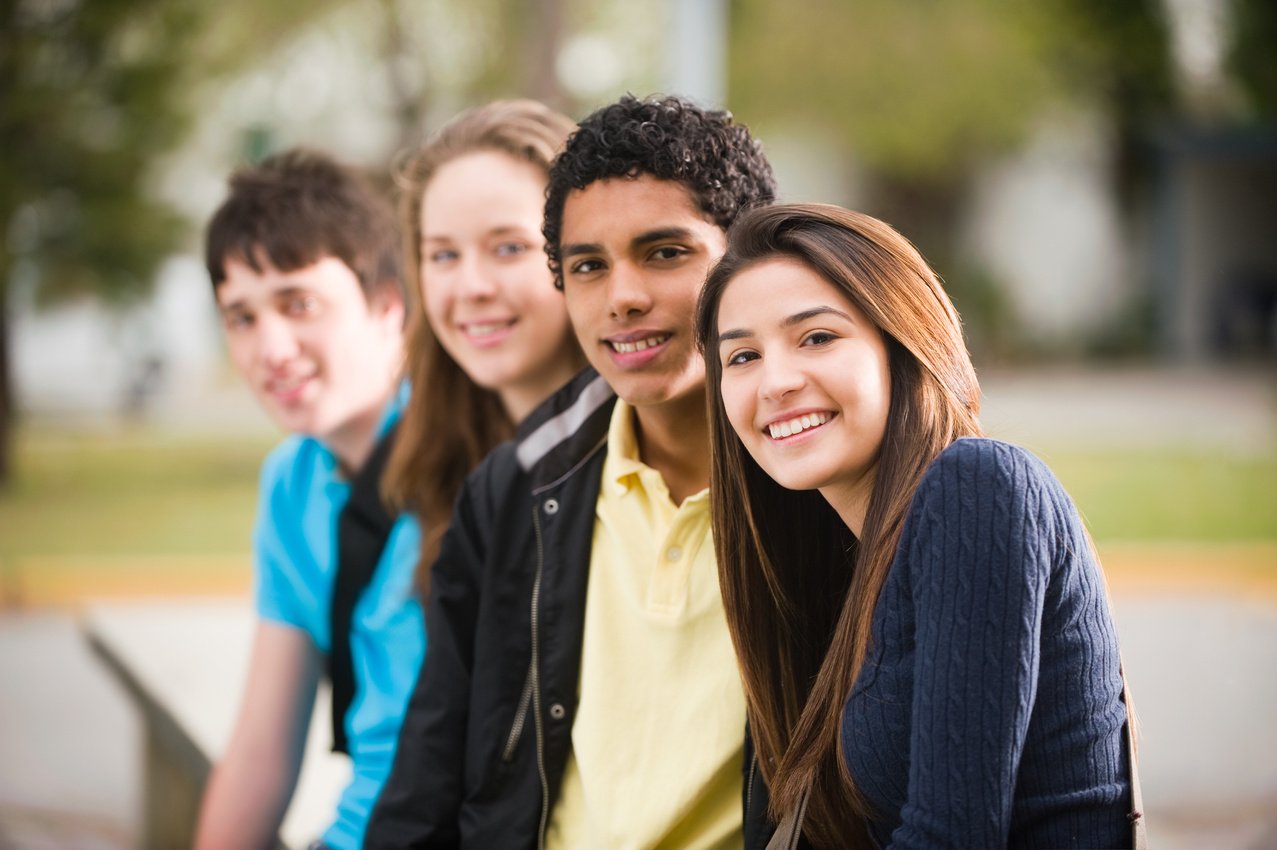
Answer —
542 51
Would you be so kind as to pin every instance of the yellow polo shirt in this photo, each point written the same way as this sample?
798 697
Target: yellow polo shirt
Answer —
658 736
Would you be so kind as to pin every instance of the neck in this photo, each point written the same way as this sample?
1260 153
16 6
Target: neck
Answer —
850 500
353 442
673 439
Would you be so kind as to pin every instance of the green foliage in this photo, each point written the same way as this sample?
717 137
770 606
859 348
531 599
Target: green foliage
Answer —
916 88
1253 59
921 90
90 101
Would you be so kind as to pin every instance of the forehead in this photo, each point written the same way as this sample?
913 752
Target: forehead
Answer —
481 184
775 288
612 211
327 276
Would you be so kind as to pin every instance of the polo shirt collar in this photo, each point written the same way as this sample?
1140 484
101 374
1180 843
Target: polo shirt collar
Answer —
623 470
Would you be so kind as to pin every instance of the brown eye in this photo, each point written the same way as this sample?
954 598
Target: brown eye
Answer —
584 267
819 338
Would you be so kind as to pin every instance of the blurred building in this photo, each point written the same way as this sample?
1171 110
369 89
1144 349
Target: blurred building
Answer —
1214 244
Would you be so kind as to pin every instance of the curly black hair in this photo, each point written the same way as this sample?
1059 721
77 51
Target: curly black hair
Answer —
672 139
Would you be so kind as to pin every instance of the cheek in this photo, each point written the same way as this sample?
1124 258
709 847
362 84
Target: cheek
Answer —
579 312
875 395
737 403
435 301
532 292
242 349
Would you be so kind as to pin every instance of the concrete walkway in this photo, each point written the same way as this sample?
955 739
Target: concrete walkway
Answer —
1199 667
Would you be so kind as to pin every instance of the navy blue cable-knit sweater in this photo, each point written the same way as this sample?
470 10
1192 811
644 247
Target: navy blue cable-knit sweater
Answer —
989 710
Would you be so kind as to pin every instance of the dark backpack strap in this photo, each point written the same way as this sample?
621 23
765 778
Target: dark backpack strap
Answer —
362 530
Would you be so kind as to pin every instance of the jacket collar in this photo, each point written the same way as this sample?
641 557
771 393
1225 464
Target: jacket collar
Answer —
565 430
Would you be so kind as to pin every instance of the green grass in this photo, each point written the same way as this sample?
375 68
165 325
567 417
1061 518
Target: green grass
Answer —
90 511
1183 495
129 493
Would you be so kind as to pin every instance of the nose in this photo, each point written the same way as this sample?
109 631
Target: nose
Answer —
780 377
276 340
474 282
627 297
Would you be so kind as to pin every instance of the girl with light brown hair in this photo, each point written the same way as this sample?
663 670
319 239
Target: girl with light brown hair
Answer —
921 623
488 335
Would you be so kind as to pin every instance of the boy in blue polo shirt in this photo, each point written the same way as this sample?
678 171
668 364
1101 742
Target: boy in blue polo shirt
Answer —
304 263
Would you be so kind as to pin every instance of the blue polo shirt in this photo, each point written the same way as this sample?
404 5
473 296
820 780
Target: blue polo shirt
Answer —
295 542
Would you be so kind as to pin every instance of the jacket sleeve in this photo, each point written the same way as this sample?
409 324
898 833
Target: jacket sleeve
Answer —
420 803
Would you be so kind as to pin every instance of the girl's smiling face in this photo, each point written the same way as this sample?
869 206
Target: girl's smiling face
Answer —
806 382
488 293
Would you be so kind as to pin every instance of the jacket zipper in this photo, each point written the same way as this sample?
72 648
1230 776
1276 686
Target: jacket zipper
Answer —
749 786
520 718
534 674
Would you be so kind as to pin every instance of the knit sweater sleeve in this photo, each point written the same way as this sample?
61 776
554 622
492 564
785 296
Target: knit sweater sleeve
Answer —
980 542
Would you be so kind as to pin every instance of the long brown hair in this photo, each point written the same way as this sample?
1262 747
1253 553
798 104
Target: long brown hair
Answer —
798 588
451 422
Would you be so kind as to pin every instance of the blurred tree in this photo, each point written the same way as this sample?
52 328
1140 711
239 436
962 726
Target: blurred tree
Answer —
1252 60
917 91
1119 55
91 94
920 93
509 48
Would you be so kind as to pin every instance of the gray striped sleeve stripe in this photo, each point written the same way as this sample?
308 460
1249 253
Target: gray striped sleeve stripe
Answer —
554 431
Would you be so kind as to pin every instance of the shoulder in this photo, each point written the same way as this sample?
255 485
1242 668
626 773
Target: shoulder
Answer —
987 508
987 465
298 489
295 454
979 477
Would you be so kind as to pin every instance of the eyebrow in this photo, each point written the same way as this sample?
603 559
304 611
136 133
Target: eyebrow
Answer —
660 234
499 230
788 322
290 291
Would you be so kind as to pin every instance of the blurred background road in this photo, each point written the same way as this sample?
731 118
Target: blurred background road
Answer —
1095 181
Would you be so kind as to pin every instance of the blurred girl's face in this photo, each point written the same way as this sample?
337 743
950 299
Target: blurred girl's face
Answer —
805 382
488 294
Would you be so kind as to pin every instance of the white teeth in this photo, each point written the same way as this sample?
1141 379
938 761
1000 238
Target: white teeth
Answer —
798 424
641 345
284 385
486 328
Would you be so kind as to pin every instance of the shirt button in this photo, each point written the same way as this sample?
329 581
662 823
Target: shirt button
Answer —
673 553
557 711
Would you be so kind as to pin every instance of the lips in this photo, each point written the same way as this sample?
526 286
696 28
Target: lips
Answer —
288 389
485 329
793 425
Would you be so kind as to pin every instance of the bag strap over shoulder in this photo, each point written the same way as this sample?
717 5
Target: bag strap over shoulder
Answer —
790 830
363 528
1139 829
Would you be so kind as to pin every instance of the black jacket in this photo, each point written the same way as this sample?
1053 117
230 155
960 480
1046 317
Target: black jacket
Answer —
488 730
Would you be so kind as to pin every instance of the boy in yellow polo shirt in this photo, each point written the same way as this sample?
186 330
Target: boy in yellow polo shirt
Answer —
581 690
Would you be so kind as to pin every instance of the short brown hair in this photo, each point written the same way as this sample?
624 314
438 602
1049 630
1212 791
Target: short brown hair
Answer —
297 207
